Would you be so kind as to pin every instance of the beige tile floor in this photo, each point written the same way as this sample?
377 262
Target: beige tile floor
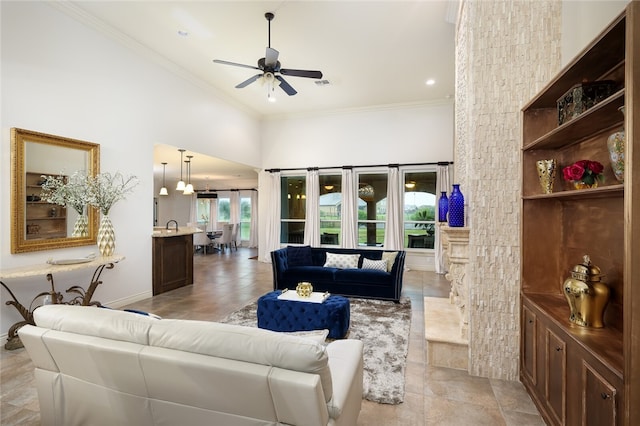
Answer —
226 282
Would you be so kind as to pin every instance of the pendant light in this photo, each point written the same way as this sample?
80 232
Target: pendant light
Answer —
163 190
180 186
188 190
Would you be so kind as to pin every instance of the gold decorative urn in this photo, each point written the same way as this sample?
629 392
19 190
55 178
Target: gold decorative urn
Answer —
304 289
587 294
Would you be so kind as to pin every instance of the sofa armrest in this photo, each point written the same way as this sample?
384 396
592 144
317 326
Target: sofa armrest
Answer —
398 272
279 265
346 365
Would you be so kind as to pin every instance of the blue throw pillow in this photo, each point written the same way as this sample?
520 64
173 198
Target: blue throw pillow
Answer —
299 256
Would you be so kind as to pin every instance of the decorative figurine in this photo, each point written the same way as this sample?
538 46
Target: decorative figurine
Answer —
304 289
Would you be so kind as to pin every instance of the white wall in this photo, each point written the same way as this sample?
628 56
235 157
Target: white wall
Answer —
402 134
582 21
61 77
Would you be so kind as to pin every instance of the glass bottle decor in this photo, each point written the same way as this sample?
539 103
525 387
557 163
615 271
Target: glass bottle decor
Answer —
443 207
616 143
456 207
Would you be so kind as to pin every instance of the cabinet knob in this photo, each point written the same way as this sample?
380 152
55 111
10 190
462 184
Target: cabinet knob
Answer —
558 349
605 395
530 321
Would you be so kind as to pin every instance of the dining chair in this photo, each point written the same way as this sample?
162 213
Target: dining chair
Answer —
225 239
201 239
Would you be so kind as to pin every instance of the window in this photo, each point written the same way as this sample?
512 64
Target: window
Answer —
330 209
203 212
372 208
224 209
293 198
245 218
419 209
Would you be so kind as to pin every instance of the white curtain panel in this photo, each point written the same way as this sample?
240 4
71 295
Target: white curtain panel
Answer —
349 213
273 211
193 208
443 186
393 236
234 207
312 222
213 214
253 231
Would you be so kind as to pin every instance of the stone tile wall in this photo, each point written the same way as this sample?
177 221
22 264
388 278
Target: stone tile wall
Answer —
506 51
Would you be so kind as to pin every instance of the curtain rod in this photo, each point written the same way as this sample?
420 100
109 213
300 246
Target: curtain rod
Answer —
222 190
438 163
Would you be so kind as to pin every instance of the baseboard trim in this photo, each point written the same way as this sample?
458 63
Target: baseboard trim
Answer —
118 303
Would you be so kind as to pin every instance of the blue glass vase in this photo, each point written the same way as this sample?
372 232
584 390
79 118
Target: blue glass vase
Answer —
456 207
443 207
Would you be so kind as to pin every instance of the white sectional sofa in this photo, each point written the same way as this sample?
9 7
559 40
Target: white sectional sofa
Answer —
97 366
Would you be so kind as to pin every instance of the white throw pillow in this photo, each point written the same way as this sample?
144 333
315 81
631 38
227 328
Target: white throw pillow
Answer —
342 261
378 265
390 257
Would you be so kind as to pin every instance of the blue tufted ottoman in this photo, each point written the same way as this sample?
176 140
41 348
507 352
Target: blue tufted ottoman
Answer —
285 315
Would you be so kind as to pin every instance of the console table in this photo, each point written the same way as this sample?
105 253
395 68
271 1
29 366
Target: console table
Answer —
80 295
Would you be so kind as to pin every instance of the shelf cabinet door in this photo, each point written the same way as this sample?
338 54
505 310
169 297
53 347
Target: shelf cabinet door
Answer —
529 337
556 377
599 399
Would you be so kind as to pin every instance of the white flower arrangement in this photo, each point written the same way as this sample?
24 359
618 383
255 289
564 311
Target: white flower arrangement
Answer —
105 189
66 192
101 191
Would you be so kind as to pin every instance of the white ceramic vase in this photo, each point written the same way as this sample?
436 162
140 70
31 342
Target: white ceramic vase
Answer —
81 227
106 236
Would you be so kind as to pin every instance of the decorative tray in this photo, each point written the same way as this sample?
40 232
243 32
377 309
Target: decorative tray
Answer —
316 296
72 261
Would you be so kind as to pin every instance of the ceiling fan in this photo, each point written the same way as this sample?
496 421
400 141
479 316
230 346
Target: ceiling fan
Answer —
270 69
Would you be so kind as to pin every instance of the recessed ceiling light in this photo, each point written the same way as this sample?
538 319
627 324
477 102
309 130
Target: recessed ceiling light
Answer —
430 82
183 33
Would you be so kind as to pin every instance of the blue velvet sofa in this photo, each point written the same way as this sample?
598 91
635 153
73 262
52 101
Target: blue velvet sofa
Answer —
295 264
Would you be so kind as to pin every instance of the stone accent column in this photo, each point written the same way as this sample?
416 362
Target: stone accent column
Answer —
506 51
455 243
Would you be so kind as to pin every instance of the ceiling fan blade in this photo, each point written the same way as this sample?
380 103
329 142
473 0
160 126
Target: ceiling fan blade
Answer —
248 81
301 73
286 86
220 61
271 57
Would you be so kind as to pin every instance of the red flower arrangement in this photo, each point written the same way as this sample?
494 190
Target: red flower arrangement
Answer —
585 171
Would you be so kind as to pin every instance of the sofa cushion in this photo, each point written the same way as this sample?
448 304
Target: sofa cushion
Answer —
361 276
299 256
342 261
247 344
379 265
390 257
312 274
109 323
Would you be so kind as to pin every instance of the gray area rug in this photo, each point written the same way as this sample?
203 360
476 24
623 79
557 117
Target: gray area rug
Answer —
384 328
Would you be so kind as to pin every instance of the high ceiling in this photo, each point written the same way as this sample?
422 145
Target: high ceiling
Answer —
371 53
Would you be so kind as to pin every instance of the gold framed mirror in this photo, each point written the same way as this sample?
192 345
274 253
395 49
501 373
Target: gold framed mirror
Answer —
36 224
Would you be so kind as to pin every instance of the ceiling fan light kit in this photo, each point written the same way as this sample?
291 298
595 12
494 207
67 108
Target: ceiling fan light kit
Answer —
270 69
